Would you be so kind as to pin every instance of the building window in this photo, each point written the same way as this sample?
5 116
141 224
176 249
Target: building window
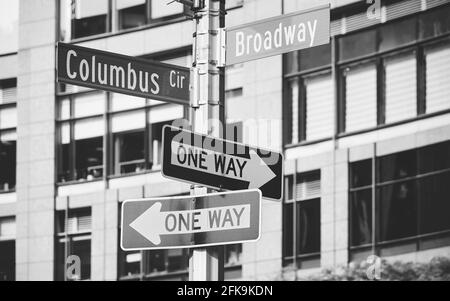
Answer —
411 204
387 74
73 237
82 128
8 134
83 18
7 249
301 221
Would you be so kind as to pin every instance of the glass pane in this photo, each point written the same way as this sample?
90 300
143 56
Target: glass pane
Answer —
293 92
131 17
8 118
8 90
233 254
357 45
361 173
289 187
397 34
7 165
178 260
121 102
89 158
89 104
397 205
434 203
156 261
308 226
315 57
90 18
435 23
434 158
288 230
82 249
291 62
397 166
7 260
437 75
361 217
9 26
129 263
129 155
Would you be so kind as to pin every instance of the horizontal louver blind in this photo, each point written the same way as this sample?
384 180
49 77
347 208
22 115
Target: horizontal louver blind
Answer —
90 8
319 107
128 121
8 95
403 8
308 189
8 118
361 98
438 79
78 224
434 3
295 110
401 91
121 4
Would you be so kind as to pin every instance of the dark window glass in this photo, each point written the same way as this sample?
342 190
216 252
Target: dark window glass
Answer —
397 34
288 230
358 44
435 23
65 163
8 260
397 211
89 26
397 166
129 263
233 255
80 247
132 17
291 62
361 173
361 217
308 227
289 187
434 193
315 57
89 158
7 165
434 158
175 260
129 152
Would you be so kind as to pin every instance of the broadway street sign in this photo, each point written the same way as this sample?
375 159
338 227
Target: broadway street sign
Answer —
122 74
191 221
278 35
221 164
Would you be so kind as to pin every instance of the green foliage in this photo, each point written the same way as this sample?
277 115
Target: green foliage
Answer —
438 269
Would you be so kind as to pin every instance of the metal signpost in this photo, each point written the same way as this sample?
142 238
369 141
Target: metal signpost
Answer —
191 221
122 74
203 221
221 164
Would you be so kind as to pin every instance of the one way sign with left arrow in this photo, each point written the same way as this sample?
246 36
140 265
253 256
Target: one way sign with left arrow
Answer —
221 164
191 221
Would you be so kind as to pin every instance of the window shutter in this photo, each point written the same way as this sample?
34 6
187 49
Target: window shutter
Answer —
401 91
308 188
319 107
437 79
361 98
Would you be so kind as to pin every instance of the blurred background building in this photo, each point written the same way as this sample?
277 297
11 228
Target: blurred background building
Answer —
364 123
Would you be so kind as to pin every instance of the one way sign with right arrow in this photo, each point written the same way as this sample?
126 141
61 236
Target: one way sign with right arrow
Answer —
221 164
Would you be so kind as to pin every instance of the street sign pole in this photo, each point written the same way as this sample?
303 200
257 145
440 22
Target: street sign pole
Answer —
207 109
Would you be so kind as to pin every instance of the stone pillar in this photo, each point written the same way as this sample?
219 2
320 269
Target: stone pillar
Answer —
36 140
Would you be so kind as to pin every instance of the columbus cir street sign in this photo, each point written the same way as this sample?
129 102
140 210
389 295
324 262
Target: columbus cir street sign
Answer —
191 221
122 74
221 164
300 30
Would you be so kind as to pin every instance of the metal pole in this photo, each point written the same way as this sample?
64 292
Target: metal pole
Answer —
207 117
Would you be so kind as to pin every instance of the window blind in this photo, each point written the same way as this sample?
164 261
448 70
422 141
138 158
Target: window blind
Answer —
361 98
8 118
89 8
128 121
437 79
121 4
319 107
308 188
401 91
7 228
